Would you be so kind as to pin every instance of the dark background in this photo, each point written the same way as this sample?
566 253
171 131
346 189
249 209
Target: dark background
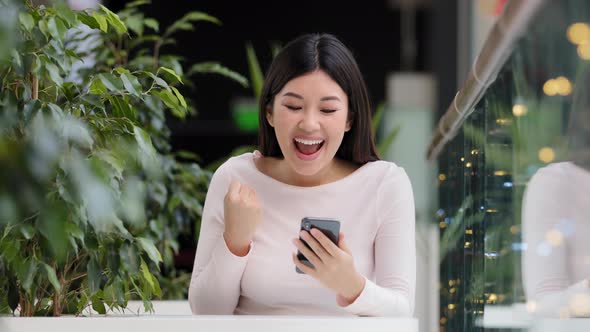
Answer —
371 29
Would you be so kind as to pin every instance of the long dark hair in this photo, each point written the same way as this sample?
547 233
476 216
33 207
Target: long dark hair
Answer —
324 52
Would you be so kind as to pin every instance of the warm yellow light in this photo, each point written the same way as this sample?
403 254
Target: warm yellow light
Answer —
451 306
469 231
554 237
493 297
467 244
519 110
474 152
531 306
546 155
550 87
502 121
442 177
584 51
468 164
452 290
514 229
564 86
442 224
500 173
579 33
462 159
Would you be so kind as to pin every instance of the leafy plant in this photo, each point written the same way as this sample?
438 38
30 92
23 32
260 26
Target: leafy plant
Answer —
83 152
175 200
75 161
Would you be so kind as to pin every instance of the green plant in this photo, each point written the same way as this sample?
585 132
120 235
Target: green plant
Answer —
75 161
82 159
383 142
174 201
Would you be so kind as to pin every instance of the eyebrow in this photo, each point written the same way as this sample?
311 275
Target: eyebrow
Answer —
291 94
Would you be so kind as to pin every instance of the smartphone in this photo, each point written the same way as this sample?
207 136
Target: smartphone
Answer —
330 228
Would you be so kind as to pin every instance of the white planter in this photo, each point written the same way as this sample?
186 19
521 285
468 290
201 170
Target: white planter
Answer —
157 323
176 316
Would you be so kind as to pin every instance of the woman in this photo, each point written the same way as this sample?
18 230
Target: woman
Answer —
317 158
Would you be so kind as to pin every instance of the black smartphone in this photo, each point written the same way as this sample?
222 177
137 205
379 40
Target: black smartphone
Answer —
330 228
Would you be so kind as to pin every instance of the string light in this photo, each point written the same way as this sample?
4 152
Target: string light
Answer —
579 33
519 110
546 154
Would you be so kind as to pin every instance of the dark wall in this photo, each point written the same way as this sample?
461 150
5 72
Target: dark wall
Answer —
370 29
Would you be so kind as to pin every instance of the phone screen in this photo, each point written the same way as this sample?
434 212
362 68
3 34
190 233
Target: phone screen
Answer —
330 228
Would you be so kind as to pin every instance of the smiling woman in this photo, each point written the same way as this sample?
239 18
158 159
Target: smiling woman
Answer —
317 159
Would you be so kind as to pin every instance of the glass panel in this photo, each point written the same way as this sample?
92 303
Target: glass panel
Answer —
514 187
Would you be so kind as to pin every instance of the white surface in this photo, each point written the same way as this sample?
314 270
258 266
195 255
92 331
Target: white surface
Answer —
509 316
561 325
207 323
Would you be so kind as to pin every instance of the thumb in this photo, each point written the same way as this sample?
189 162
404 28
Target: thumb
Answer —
342 244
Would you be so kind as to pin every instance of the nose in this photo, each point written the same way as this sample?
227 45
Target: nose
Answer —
309 121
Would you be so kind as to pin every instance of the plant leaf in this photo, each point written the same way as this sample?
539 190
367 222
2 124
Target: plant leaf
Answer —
52 276
94 276
256 76
88 20
98 88
171 72
158 80
135 24
102 21
114 20
149 247
151 23
54 73
111 82
132 85
27 21
179 96
216 68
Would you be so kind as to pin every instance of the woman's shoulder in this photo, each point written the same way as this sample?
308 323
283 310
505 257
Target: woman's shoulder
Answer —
384 168
238 164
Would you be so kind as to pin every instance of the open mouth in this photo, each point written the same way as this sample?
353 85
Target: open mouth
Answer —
308 148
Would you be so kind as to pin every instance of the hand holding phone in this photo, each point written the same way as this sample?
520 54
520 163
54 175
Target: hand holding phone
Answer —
335 268
330 228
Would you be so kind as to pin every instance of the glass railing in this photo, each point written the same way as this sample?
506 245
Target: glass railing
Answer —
514 186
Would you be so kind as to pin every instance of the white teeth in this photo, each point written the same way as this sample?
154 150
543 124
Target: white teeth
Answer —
308 142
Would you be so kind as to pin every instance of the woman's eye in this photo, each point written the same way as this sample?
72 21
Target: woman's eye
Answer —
328 111
293 108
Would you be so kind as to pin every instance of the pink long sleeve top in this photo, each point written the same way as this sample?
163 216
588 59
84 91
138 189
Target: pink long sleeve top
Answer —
375 206
557 273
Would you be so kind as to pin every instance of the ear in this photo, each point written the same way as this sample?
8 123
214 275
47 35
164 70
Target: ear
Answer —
269 116
348 125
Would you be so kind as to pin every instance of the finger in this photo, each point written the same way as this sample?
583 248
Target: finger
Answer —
326 243
234 190
307 253
251 195
343 245
317 248
304 268
245 192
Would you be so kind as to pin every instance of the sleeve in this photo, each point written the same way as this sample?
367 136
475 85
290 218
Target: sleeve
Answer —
392 293
546 203
217 272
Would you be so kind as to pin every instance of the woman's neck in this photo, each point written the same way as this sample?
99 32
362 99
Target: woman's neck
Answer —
279 170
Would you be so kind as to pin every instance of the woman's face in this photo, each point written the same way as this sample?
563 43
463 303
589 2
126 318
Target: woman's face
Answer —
310 117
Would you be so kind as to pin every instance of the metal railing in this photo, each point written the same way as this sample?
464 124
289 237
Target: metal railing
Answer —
507 30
